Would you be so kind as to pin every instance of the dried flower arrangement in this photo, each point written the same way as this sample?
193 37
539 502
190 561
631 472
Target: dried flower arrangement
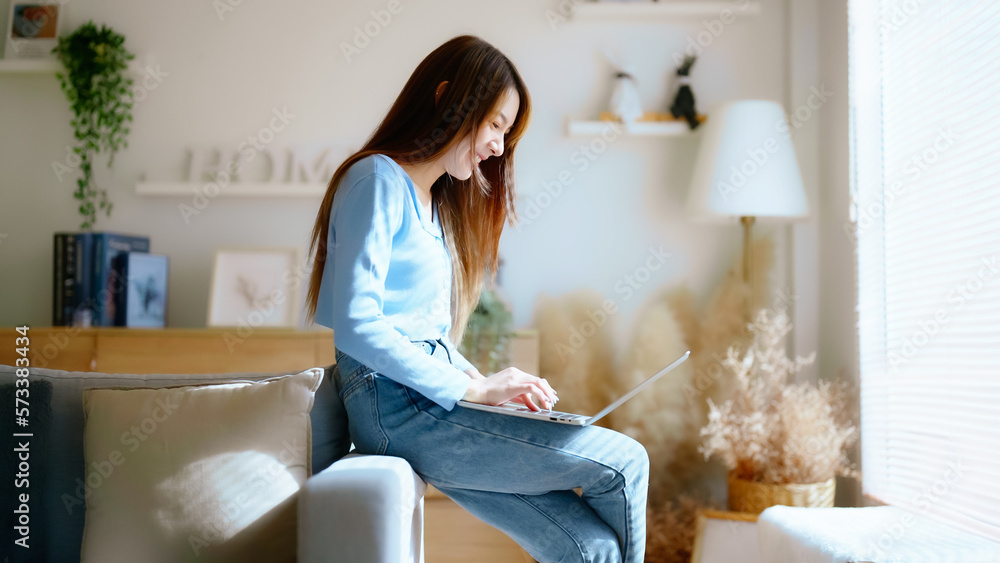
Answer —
587 375
773 430
707 330
667 417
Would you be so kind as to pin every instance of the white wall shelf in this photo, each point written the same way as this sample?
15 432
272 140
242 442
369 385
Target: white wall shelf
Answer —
660 11
238 189
29 66
641 128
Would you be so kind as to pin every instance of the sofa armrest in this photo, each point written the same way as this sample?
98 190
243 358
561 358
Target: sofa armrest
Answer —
363 508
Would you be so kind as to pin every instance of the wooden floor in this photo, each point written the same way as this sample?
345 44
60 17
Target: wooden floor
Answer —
452 535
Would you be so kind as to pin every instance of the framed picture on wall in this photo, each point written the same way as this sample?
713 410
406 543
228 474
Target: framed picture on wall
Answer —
254 287
32 30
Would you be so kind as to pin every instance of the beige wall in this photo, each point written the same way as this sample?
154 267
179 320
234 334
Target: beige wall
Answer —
838 354
824 273
225 77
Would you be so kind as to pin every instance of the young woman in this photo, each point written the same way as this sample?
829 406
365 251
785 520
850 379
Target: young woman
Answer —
404 238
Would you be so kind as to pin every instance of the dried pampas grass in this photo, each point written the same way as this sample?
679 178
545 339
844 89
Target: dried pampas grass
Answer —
708 334
582 367
773 430
576 356
655 417
688 317
722 324
671 529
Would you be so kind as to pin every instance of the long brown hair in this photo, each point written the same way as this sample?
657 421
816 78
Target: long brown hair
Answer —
419 129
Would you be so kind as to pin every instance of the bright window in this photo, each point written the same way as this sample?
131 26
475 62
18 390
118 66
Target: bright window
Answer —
925 179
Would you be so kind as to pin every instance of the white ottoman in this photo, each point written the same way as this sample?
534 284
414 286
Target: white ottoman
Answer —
882 534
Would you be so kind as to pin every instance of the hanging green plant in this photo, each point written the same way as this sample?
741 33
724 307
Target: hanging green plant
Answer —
485 342
95 82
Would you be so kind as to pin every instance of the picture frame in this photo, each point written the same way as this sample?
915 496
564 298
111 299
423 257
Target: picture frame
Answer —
32 29
254 287
143 303
723 536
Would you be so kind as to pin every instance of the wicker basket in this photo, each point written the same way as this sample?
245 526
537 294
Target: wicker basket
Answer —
753 497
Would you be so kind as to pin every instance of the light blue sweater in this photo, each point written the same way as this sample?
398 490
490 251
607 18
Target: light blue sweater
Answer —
387 280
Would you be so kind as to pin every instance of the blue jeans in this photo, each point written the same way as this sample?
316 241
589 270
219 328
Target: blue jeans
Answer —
515 474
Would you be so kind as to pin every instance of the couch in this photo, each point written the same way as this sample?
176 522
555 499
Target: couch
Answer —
352 508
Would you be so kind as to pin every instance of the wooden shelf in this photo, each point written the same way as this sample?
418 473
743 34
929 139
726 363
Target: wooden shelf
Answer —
639 128
238 189
158 350
26 66
659 11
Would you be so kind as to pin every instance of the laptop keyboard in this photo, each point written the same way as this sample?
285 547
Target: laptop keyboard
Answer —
553 415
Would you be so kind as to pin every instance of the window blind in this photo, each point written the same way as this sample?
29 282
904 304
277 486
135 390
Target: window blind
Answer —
924 100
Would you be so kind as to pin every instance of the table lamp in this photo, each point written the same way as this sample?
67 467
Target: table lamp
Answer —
746 169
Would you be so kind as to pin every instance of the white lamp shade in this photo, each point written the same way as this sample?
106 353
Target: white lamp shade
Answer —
746 166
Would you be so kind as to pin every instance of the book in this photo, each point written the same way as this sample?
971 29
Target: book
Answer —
69 275
58 278
82 306
105 286
143 302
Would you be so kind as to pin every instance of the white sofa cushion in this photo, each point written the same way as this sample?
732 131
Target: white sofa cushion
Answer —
208 473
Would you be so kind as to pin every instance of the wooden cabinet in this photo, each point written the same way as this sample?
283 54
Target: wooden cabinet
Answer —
172 350
451 534
210 350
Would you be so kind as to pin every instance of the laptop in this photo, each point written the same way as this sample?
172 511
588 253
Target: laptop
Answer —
517 409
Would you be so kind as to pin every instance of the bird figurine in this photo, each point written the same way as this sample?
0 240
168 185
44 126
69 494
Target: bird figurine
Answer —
683 106
625 102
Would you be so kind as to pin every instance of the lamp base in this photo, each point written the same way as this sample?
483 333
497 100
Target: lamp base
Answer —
747 223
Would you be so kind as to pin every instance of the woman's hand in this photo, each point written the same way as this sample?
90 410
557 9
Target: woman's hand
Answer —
511 384
529 400
474 373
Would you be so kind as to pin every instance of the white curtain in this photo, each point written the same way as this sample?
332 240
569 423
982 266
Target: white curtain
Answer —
925 174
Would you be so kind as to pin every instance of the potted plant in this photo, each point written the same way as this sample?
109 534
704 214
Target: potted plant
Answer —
96 84
487 334
782 441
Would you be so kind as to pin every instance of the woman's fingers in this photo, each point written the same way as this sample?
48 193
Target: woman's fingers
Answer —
553 396
521 400
541 395
534 392
524 391
544 392
526 399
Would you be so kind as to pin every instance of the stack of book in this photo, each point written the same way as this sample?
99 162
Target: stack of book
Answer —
107 279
